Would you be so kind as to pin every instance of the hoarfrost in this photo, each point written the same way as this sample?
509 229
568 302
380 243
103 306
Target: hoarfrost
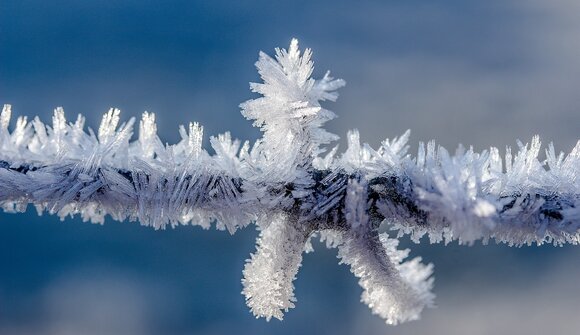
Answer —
293 191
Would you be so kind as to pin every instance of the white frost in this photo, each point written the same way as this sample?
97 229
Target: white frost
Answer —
292 192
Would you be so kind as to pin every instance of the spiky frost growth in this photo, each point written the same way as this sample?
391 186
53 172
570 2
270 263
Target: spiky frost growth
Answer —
293 193
269 273
291 117
289 113
395 290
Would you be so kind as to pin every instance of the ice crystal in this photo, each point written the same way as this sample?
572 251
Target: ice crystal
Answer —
292 191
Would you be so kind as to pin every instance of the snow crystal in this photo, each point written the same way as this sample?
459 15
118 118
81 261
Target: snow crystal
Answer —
292 192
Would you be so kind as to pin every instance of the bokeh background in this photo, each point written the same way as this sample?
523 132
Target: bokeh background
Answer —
479 73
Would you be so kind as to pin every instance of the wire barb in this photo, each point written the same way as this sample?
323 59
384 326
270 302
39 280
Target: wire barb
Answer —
291 192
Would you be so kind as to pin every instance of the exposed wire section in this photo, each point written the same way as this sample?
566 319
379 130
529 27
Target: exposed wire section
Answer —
284 185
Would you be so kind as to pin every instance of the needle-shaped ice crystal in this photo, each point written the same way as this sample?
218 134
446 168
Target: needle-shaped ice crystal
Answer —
292 191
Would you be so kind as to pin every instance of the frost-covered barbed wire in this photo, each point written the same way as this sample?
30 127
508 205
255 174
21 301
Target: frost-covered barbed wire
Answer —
284 185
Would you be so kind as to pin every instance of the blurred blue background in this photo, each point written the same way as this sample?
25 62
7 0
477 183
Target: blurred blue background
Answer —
479 73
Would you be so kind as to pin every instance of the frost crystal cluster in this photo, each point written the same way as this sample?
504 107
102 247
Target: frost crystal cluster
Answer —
293 191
